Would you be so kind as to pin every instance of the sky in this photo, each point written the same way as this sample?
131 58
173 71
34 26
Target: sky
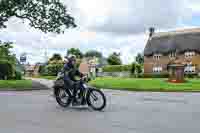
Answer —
106 26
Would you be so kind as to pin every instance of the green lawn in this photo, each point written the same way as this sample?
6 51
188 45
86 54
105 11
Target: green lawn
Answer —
15 84
46 77
134 84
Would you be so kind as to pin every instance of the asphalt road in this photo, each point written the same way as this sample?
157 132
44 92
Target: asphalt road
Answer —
126 112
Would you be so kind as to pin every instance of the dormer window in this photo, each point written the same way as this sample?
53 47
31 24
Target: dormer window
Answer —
189 54
172 55
157 56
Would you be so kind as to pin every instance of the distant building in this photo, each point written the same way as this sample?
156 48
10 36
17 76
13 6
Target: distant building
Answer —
32 70
162 49
91 66
84 67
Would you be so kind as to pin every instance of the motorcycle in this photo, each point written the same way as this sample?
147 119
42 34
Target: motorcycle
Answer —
85 95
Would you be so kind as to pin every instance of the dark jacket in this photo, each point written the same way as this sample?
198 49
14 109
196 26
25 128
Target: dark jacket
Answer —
70 72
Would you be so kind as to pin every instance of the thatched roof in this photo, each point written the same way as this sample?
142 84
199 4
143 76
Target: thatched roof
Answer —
178 41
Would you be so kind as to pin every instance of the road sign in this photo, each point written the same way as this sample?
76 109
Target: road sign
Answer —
23 58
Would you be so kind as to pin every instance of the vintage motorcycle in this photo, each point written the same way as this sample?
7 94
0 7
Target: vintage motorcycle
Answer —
85 95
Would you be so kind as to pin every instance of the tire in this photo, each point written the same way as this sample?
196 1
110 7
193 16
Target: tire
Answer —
58 97
91 95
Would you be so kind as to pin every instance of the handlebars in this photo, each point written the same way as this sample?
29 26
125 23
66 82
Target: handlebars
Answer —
84 78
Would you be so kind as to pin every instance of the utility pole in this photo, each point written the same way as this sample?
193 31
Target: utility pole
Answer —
45 56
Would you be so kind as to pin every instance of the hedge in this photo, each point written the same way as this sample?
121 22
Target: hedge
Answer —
192 76
117 68
164 75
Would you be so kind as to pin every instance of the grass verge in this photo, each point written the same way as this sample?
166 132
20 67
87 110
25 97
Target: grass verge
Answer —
133 84
15 85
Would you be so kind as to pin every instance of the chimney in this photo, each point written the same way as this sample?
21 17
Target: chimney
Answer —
151 31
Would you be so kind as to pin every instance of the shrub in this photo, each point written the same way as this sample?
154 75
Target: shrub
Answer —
191 75
6 70
18 75
117 68
42 70
133 68
138 68
53 69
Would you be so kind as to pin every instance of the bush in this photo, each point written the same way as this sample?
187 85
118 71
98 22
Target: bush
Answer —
18 75
138 68
133 68
53 69
6 70
191 75
117 68
42 70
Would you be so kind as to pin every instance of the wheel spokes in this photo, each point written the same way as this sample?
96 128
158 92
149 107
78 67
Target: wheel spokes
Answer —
96 99
63 96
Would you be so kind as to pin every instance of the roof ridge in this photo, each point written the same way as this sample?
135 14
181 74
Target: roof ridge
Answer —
177 32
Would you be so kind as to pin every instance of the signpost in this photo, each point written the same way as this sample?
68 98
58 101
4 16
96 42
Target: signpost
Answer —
23 58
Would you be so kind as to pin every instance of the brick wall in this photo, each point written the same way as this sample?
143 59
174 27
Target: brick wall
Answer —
150 62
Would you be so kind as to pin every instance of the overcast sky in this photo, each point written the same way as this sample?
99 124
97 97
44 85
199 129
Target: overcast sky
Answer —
105 25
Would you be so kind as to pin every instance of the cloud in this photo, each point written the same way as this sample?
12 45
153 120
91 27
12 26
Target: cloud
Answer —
103 25
194 5
132 17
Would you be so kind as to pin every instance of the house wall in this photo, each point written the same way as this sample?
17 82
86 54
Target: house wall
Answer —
150 62
196 61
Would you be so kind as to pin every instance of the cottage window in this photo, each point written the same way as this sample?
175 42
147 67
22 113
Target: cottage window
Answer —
157 56
190 68
172 55
157 69
189 54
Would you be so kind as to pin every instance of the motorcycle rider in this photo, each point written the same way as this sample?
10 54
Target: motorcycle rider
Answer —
70 72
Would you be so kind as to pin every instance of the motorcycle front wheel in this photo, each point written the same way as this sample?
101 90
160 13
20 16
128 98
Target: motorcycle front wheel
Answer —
63 97
96 99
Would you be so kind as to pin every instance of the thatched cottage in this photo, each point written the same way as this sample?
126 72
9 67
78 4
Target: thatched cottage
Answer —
164 48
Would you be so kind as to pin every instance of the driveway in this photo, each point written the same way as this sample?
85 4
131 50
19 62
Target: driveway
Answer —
45 82
127 112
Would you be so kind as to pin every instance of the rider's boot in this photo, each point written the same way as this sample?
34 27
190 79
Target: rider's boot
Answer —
75 101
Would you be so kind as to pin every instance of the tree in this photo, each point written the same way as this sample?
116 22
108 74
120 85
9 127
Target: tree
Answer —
5 53
139 58
133 68
114 59
75 51
7 61
54 66
56 57
45 15
93 53
139 68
